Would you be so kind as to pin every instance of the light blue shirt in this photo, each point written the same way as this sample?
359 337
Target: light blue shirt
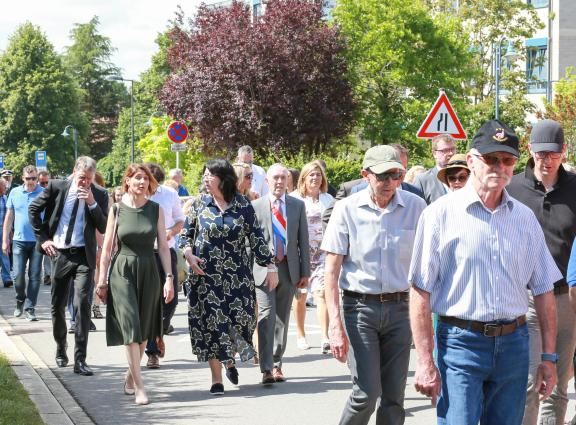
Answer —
19 200
476 263
376 242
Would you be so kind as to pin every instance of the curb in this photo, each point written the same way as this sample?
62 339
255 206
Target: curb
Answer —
54 403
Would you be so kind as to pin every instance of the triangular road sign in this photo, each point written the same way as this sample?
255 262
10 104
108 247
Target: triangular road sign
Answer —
441 120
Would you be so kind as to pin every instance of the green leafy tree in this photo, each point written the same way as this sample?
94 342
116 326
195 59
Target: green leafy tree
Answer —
89 61
38 98
399 57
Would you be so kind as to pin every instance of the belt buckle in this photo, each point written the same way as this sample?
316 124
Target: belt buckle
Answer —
382 300
73 250
492 327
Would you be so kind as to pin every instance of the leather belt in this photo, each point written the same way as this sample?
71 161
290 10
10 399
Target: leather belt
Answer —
383 298
489 329
72 250
561 290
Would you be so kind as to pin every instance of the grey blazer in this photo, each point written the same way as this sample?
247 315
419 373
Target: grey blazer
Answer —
429 184
298 246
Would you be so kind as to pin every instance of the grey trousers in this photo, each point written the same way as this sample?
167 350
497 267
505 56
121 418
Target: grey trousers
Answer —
379 355
273 319
553 409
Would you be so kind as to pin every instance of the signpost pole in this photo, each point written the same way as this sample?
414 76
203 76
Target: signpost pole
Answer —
177 159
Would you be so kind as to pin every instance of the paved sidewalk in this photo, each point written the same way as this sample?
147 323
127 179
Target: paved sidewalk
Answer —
314 394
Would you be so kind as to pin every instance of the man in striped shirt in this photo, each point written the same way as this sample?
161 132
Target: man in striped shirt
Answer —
475 253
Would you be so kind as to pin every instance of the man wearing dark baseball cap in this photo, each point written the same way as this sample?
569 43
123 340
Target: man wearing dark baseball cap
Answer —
477 250
549 191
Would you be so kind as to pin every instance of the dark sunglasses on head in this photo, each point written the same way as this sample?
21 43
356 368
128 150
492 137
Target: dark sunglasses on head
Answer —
493 160
458 178
28 179
392 175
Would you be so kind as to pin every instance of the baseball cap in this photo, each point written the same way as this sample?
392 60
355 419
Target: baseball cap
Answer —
382 158
494 136
547 136
6 173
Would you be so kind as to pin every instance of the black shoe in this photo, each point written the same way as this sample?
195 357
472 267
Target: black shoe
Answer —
232 374
61 357
8 284
217 389
92 326
169 330
82 368
47 280
72 328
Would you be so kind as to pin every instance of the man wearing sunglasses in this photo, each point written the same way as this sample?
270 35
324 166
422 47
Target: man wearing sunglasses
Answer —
477 251
550 192
23 243
368 243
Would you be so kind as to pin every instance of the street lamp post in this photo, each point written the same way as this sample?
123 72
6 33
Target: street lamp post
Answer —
75 137
510 55
120 78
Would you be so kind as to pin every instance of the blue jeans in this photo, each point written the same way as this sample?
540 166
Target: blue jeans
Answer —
22 253
5 264
483 378
380 339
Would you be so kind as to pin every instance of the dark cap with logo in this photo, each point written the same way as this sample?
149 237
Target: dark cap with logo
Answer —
547 136
494 136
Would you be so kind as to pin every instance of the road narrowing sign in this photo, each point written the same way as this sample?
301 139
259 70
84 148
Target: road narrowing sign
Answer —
441 120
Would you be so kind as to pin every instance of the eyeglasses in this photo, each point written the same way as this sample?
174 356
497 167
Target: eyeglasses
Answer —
445 151
493 160
551 155
29 179
458 178
249 176
392 175
43 183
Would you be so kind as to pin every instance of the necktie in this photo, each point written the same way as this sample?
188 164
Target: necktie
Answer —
71 222
279 229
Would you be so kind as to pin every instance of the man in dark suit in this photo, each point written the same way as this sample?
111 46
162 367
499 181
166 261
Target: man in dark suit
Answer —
443 148
285 228
73 210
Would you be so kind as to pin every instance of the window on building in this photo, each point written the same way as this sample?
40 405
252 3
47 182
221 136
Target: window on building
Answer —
538 3
537 65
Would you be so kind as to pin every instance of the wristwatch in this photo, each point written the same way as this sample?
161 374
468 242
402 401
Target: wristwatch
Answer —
549 357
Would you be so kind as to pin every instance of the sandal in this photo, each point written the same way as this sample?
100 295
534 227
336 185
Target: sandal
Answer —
96 312
128 391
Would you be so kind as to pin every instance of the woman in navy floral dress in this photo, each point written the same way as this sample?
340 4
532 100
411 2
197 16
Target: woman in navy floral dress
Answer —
223 236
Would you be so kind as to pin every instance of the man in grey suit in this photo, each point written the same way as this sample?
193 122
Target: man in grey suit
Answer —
443 148
283 222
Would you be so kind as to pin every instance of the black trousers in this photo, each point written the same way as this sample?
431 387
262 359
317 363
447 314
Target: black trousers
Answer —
66 267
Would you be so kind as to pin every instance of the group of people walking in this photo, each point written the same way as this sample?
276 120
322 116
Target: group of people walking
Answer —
468 262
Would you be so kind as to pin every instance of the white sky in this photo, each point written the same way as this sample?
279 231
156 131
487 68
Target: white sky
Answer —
131 25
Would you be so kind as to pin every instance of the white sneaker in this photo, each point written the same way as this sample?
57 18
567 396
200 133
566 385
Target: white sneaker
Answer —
302 344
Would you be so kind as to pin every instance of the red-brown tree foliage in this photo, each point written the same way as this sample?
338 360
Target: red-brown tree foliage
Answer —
276 83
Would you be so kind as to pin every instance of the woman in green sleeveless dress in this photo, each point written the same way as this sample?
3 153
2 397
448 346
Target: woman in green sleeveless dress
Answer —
134 312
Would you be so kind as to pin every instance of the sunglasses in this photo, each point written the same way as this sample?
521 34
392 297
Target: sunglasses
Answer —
29 179
43 183
392 175
458 178
249 176
551 155
493 160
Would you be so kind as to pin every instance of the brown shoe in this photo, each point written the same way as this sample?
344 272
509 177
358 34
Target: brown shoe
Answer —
278 375
153 362
268 378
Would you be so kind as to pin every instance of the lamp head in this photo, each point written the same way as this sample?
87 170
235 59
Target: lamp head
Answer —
65 132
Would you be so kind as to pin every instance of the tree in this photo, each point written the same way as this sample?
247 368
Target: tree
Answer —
399 56
563 109
38 98
88 59
275 84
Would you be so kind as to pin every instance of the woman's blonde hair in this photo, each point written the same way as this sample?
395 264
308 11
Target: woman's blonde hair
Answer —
242 169
307 169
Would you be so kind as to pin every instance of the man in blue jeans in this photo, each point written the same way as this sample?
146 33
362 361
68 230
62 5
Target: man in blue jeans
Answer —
368 242
477 251
23 243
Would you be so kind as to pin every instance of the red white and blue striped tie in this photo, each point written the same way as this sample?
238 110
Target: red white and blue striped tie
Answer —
279 228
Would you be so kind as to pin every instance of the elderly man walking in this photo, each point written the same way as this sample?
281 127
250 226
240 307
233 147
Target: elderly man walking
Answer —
368 243
476 251
549 191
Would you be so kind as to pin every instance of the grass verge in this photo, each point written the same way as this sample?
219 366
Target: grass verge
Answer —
15 406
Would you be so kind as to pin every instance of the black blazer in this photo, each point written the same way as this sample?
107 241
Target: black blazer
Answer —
51 202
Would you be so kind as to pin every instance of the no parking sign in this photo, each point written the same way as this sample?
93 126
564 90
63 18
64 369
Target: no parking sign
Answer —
177 131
